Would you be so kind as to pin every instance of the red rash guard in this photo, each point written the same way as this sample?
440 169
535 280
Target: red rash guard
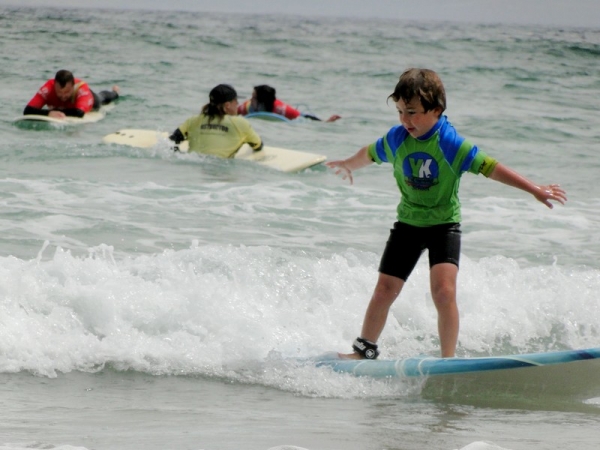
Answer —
279 107
82 98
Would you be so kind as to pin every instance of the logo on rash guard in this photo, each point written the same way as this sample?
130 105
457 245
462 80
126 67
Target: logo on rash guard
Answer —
421 171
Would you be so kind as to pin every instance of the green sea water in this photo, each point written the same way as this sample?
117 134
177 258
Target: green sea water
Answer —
150 299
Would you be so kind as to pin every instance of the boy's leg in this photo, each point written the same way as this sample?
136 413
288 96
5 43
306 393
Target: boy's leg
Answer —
443 290
386 291
402 251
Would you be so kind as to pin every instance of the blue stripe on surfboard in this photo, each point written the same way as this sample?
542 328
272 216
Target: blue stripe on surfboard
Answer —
420 366
267 116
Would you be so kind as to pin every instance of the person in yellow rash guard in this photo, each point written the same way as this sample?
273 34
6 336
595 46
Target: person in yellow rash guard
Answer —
218 130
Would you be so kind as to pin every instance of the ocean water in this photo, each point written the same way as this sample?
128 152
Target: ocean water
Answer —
157 300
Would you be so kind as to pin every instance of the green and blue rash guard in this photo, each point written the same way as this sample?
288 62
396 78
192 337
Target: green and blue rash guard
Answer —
428 171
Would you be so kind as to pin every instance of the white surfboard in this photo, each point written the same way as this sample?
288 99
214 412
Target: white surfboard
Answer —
276 158
90 117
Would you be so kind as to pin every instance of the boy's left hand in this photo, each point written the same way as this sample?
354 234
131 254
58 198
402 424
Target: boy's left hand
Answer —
551 192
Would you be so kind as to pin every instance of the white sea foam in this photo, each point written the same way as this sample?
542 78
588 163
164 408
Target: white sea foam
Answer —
221 310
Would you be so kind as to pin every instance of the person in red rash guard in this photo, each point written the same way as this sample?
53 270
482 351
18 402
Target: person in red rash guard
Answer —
66 95
264 99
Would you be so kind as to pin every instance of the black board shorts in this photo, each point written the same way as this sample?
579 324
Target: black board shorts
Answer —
407 242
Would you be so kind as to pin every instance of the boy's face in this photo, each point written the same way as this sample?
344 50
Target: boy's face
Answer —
414 118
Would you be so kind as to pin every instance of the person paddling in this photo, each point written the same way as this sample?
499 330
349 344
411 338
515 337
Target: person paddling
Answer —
264 99
218 130
65 95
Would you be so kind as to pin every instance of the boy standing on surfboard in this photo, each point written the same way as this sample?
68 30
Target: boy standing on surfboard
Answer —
429 157
66 95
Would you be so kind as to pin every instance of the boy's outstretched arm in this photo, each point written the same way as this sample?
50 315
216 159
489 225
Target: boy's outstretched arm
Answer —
345 167
542 193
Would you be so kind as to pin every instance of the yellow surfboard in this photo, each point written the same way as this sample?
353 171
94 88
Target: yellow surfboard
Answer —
276 158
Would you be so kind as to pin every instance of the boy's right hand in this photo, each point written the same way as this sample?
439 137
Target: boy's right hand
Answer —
341 168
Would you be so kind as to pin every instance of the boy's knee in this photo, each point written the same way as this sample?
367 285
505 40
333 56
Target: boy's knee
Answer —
387 290
444 294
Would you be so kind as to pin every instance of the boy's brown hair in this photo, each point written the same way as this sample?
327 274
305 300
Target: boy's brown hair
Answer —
424 84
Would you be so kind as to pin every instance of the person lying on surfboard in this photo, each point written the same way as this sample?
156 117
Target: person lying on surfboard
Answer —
428 157
264 100
218 130
66 95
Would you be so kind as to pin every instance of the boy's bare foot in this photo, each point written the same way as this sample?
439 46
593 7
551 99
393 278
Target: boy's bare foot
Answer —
116 89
